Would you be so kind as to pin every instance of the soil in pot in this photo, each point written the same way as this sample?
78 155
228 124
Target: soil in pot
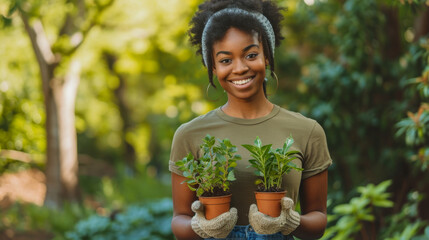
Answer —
269 203
215 206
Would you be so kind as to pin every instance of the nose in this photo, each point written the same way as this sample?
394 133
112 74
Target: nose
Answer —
240 67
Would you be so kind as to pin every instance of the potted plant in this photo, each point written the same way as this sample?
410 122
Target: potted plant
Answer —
271 165
211 175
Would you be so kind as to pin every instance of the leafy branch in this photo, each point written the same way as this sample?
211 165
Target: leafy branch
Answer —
271 164
213 172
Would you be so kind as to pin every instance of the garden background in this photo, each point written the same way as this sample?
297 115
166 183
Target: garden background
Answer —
91 92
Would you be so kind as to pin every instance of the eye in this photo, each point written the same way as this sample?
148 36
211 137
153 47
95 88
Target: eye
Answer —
225 61
251 55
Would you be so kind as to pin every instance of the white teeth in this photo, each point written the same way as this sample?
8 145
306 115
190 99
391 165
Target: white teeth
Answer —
241 82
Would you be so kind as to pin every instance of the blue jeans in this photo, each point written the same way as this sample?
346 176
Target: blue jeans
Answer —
247 233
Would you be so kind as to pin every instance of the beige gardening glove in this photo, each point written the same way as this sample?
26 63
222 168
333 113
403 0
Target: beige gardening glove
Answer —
218 227
286 223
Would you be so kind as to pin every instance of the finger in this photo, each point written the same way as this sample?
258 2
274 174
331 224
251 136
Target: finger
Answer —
287 203
233 211
197 207
253 209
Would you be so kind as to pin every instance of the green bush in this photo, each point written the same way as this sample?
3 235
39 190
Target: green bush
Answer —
406 224
124 190
27 217
136 222
103 196
352 218
359 218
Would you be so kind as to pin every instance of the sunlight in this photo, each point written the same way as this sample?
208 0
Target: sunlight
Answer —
309 2
171 111
4 86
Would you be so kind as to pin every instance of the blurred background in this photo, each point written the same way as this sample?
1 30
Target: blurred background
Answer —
92 91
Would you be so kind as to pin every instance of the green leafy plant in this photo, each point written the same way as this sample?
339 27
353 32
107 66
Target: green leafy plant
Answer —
356 218
415 127
406 224
211 175
271 164
150 221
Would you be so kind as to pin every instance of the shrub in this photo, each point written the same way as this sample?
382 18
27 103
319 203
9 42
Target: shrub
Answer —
151 222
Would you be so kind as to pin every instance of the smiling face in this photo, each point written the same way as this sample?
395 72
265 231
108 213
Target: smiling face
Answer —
239 64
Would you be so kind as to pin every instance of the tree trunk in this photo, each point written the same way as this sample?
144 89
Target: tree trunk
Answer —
52 169
421 24
64 92
61 159
59 98
127 123
393 48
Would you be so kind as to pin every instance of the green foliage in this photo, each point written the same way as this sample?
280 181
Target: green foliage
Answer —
150 221
356 85
262 161
406 224
9 165
271 164
347 92
352 217
24 217
153 57
377 194
408 233
283 161
122 190
214 171
105 197
162 81
21 107
416 126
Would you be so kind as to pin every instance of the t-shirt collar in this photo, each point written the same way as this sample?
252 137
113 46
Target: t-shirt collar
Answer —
243 121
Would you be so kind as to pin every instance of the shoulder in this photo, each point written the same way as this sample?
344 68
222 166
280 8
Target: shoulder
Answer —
296 118
309 127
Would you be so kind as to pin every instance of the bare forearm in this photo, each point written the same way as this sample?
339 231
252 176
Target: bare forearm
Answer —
181 227
312 225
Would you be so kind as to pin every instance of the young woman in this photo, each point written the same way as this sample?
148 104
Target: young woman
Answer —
236 39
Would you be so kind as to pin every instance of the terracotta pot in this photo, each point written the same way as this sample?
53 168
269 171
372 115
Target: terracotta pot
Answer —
269 203
215 206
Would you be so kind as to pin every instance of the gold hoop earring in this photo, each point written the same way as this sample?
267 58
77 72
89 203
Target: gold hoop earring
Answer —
207 94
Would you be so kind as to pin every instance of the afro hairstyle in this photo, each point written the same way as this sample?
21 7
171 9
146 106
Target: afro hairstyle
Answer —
245 23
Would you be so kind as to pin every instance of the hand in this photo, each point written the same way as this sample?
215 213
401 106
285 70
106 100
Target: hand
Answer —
286 223
218 227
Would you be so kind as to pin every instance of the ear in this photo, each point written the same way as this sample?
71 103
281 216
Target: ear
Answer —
266 62
214 70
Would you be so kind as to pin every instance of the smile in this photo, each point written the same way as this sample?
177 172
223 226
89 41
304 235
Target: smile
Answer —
242 81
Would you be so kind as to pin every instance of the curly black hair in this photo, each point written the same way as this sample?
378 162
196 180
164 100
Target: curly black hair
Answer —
245 23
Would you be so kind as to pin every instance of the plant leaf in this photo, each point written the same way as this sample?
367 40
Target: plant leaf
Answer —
231 176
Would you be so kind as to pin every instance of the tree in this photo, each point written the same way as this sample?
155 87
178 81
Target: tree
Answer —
124 112
59 86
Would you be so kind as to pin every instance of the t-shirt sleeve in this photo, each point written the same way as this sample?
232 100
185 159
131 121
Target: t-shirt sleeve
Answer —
317 157
180 148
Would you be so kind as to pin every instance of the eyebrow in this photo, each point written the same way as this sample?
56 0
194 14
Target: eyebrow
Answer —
244 50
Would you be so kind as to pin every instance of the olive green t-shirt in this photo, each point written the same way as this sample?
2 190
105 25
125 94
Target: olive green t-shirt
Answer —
274 128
